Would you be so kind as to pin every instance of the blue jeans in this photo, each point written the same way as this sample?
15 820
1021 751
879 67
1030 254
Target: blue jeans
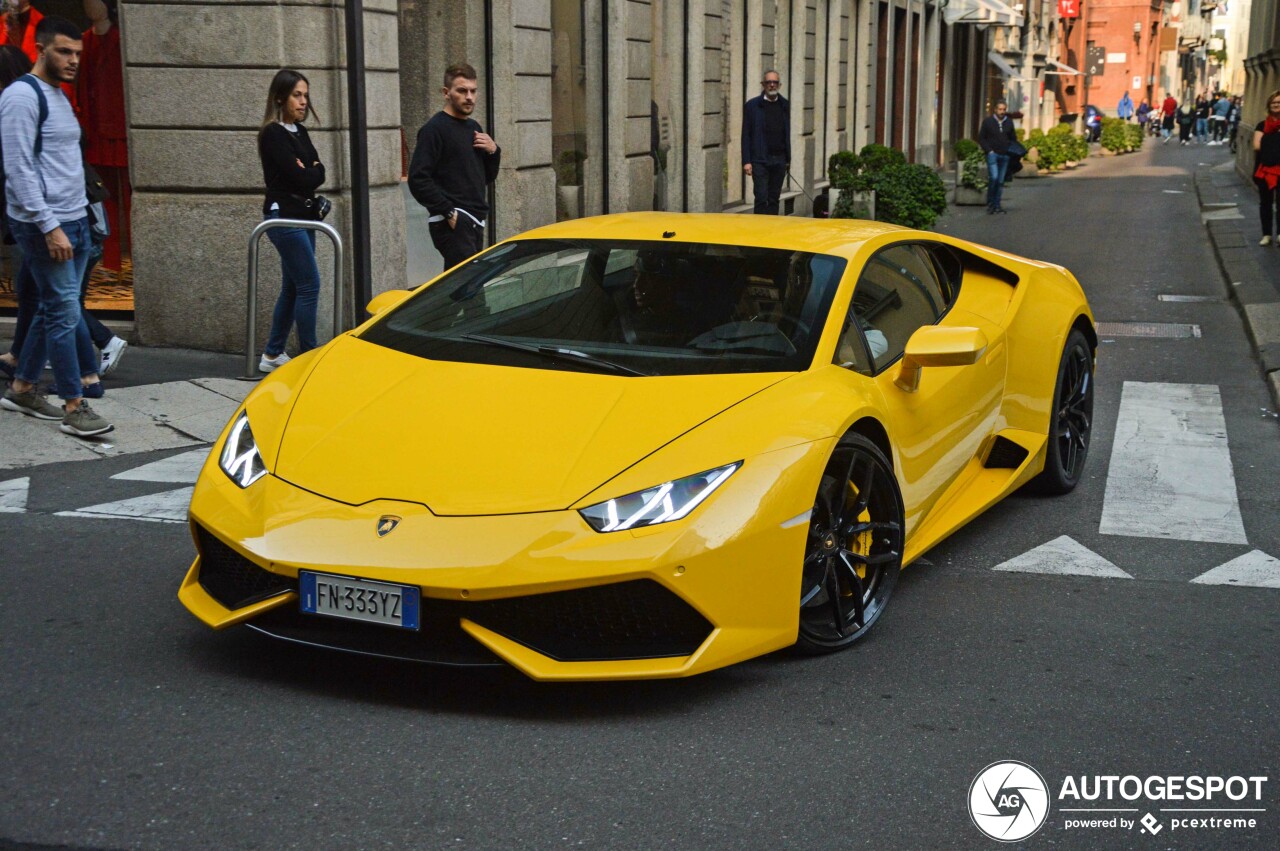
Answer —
996 166
57 322
25 290
299 288
1202 129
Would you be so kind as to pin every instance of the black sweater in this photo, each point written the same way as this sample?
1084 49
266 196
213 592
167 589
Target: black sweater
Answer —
287 184
992 138
447 171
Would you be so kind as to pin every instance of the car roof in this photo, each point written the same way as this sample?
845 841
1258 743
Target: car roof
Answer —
841 237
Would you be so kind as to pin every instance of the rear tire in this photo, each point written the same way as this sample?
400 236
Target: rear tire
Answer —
1070 421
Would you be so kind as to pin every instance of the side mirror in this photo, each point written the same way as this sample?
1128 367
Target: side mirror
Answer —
935 345
385 301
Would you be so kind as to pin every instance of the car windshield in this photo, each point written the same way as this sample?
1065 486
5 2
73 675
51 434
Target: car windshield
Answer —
624 308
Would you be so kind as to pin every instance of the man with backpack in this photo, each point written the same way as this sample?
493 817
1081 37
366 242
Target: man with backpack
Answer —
47 215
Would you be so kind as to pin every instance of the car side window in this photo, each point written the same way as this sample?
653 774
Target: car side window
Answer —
897 292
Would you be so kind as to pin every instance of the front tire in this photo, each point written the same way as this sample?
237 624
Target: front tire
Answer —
1071 419
854 552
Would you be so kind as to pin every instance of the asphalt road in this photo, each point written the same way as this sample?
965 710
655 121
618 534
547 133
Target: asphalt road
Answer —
128 725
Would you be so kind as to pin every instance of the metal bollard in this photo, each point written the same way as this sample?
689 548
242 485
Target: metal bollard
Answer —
251 331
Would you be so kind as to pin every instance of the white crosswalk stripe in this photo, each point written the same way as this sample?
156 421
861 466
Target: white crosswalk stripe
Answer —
13 496
1170 474
180 469
167 507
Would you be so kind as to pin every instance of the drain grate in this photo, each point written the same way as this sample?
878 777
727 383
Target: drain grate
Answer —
1172 330
1189 299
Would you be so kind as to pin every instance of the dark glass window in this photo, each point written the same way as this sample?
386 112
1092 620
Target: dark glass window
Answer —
651 308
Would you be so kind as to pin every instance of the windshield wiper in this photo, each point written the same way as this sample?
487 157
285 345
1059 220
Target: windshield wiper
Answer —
555 352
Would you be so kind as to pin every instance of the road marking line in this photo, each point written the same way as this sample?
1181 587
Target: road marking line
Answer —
1065 556
167 507
1170 474
1255 569
179 469
13 496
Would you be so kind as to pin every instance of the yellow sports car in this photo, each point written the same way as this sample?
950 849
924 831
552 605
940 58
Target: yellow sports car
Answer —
643 445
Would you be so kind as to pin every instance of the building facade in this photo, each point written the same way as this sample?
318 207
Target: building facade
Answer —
599 106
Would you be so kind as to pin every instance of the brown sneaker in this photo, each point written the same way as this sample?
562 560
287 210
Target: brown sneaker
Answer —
83 422
31 403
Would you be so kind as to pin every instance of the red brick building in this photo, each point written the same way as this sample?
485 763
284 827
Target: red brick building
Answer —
1115 45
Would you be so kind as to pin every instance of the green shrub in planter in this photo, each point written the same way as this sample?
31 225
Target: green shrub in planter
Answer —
964 147
908 194
1135 134
972 175
1114 136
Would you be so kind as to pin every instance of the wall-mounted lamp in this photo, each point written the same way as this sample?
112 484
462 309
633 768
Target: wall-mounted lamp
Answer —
1137 32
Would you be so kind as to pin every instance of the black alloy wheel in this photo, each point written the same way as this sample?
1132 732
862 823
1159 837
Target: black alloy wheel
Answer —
1071 419
854 552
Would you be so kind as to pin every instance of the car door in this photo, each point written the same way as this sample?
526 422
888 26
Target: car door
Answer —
939 427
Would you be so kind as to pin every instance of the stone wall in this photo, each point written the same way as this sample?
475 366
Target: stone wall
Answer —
196 87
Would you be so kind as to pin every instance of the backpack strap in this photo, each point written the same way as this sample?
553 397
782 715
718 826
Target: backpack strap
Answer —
31 81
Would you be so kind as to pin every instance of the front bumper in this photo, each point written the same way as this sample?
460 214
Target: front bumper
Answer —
542 592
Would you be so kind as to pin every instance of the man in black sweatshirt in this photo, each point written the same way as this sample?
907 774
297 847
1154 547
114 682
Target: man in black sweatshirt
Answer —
453 161
994 137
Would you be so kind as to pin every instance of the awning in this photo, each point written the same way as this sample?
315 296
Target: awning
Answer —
1063 68
982 12
997 59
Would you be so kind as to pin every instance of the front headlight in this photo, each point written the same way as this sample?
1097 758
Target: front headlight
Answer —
240 459
661 504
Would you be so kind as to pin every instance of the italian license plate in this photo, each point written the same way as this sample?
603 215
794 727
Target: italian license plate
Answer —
358 599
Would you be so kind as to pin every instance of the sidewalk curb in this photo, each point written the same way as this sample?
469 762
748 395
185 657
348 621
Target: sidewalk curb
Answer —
1246 282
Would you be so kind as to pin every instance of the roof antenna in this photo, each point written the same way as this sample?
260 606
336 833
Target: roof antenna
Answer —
667 234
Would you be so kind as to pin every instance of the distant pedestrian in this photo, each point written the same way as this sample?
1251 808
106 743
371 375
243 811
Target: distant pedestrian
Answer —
1218 118
1144 115
453 163
1124 109
292 172
1168 111
1186 119
46 205
1266 173
994 137
1202 119
766 143
1233 122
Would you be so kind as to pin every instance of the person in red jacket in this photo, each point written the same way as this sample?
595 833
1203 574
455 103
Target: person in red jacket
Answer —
1167 111
20 26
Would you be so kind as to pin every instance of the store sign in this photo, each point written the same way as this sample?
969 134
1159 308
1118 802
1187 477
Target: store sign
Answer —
1068 8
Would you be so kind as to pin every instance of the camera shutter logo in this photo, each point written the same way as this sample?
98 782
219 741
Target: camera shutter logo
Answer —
1008 801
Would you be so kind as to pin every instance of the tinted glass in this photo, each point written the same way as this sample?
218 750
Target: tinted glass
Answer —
623 307
897 293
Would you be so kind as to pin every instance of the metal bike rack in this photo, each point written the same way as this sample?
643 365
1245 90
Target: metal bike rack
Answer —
251 324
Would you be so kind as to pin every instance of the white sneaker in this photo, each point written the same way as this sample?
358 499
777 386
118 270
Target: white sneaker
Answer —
267 364
1266 240
111 354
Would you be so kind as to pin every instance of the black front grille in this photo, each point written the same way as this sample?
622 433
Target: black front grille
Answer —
232 579
628 620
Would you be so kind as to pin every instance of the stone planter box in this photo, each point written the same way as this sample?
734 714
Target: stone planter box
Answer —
864 203
966 196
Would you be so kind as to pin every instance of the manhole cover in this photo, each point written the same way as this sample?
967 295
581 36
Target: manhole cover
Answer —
1191 299
1174 330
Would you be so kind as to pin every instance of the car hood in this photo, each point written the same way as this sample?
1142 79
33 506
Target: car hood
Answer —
465 439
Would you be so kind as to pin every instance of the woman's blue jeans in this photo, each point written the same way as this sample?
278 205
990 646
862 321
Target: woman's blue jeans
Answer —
57 332
299 288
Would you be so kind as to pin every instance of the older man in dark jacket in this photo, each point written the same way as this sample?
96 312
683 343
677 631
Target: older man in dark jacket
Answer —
766 143
994 137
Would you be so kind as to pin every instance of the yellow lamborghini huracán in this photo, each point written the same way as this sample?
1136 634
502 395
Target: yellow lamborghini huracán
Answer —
643 445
